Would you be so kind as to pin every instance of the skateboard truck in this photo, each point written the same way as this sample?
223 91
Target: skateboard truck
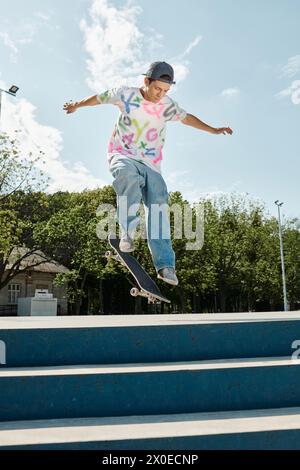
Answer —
135 292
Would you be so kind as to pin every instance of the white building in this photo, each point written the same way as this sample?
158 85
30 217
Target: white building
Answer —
24 284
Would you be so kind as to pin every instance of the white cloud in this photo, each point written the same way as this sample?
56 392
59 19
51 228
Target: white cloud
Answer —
119 52
231 92
181 63
25 41
19 33
181 181
10 44
193 44
292 67
42 15
114 44
25 32
290 70
35 137
293 91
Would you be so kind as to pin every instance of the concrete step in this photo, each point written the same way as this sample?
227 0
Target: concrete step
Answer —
144 389
54 341
239 430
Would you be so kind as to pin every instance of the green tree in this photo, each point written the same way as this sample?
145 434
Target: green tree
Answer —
19 178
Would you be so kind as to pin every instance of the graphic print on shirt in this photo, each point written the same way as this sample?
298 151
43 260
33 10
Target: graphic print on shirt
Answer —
153 109
127 102
141 127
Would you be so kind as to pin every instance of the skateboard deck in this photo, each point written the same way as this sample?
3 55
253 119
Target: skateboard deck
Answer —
146 286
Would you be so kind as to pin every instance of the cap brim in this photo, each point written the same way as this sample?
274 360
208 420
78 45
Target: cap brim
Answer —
165 81
159 79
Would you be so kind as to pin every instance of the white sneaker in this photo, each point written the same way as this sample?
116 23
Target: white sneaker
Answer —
126 244
168 275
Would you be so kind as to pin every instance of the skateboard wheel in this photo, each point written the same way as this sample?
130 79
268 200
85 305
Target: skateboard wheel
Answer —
134 292
107 254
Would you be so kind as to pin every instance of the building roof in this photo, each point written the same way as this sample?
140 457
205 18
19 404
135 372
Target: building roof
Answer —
46 267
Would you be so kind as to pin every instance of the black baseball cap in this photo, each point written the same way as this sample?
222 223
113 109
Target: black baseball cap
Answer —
157 69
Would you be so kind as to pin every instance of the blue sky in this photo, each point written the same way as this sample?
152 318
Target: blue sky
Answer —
236 63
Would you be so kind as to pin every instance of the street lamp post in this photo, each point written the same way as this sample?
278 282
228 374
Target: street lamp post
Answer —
12 91
286 307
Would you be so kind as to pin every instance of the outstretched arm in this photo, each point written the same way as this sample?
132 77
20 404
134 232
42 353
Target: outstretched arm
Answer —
193 121
71 107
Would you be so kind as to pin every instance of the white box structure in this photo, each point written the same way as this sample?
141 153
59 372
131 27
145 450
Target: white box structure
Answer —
42 304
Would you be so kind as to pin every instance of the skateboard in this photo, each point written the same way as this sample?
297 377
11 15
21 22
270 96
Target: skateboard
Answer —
146 287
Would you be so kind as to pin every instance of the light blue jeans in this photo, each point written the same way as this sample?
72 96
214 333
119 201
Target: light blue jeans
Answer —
134 181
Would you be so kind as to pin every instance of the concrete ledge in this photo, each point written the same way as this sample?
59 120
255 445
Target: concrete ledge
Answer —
88 369
144 389
139 431
44 341
104 321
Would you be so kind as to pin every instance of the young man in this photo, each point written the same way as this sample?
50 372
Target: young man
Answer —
135 155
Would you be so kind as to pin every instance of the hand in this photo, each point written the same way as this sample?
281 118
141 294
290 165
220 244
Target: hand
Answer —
70 107
222 130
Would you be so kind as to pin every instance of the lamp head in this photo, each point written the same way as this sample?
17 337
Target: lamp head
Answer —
13 89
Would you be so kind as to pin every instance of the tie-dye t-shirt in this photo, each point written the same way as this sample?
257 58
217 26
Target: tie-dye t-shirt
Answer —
141 127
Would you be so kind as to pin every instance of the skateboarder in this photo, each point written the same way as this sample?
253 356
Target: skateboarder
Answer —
135 155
